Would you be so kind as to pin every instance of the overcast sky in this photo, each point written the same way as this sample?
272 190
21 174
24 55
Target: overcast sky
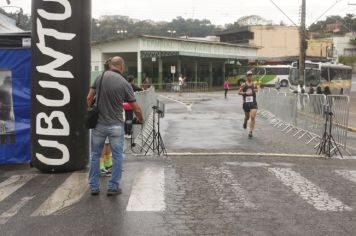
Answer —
218 12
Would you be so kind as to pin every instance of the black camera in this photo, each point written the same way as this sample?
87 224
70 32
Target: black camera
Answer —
135 121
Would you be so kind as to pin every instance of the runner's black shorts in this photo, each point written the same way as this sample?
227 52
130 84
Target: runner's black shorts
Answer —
248 106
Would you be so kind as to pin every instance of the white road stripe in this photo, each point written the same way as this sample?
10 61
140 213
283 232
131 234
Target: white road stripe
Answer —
248 154
308 191
347 174
147 193
188 106
69 193
221 177
247 164
12 184
345 157
6 216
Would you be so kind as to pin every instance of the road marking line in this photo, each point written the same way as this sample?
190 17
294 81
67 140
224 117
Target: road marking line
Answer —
69 193
247 164
221 177
12 184
344 157
187 105
147 193
347 174
172 99
262 154
6 216
308 191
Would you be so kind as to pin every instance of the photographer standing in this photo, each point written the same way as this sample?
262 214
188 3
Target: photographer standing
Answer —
114 90
128 109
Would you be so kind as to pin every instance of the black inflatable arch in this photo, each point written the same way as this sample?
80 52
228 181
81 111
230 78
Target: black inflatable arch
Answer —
60 82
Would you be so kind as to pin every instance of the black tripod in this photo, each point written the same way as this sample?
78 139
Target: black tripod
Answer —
328 145
156 144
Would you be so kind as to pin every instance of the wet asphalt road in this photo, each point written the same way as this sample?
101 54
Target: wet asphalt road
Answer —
193 194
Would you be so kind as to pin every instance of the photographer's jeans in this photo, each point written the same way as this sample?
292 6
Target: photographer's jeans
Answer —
115 133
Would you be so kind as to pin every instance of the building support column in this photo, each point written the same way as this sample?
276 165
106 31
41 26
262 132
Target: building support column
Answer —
179 67
210 74
160 72
196 71
223 71
100 61
139 68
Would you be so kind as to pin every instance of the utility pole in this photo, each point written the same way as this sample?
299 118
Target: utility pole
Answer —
303 45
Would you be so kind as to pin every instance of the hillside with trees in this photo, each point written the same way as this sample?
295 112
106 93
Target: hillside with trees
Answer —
23 21
347 25
108 26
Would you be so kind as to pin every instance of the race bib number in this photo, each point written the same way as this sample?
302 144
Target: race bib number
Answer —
249 99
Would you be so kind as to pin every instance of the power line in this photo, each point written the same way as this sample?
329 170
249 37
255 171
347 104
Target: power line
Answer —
332 6
283 12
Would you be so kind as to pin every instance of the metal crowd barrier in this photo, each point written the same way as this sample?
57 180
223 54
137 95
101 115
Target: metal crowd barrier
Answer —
304 116
188 87
339 106
146 99
143 135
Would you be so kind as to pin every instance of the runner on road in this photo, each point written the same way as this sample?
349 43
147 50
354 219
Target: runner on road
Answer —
247 90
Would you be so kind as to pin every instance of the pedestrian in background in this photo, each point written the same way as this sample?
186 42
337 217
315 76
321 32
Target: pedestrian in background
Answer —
311 89
181 81
114 90
318 90
131 80
128 109
277 85
145 84
327 91
226 87
106 160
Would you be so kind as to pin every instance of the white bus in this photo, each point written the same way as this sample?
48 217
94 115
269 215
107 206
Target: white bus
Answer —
265 75
317 74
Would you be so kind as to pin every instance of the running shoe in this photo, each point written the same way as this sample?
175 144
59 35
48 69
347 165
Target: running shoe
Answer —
245 125
250 134
105 172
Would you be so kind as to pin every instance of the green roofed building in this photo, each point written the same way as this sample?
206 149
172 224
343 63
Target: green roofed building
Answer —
151 56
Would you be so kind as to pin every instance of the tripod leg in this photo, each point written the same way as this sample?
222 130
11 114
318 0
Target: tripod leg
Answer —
163 148
336 146
152 144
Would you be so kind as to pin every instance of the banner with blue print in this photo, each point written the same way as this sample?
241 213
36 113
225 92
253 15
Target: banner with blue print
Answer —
15 105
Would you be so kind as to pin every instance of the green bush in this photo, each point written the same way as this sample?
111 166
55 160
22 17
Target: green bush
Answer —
347 60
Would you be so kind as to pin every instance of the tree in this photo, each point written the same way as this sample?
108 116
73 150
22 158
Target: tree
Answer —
347 22
107 26
252 20
249 20
23 21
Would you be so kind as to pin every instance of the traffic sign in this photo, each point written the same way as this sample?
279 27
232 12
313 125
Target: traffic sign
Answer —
173 69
